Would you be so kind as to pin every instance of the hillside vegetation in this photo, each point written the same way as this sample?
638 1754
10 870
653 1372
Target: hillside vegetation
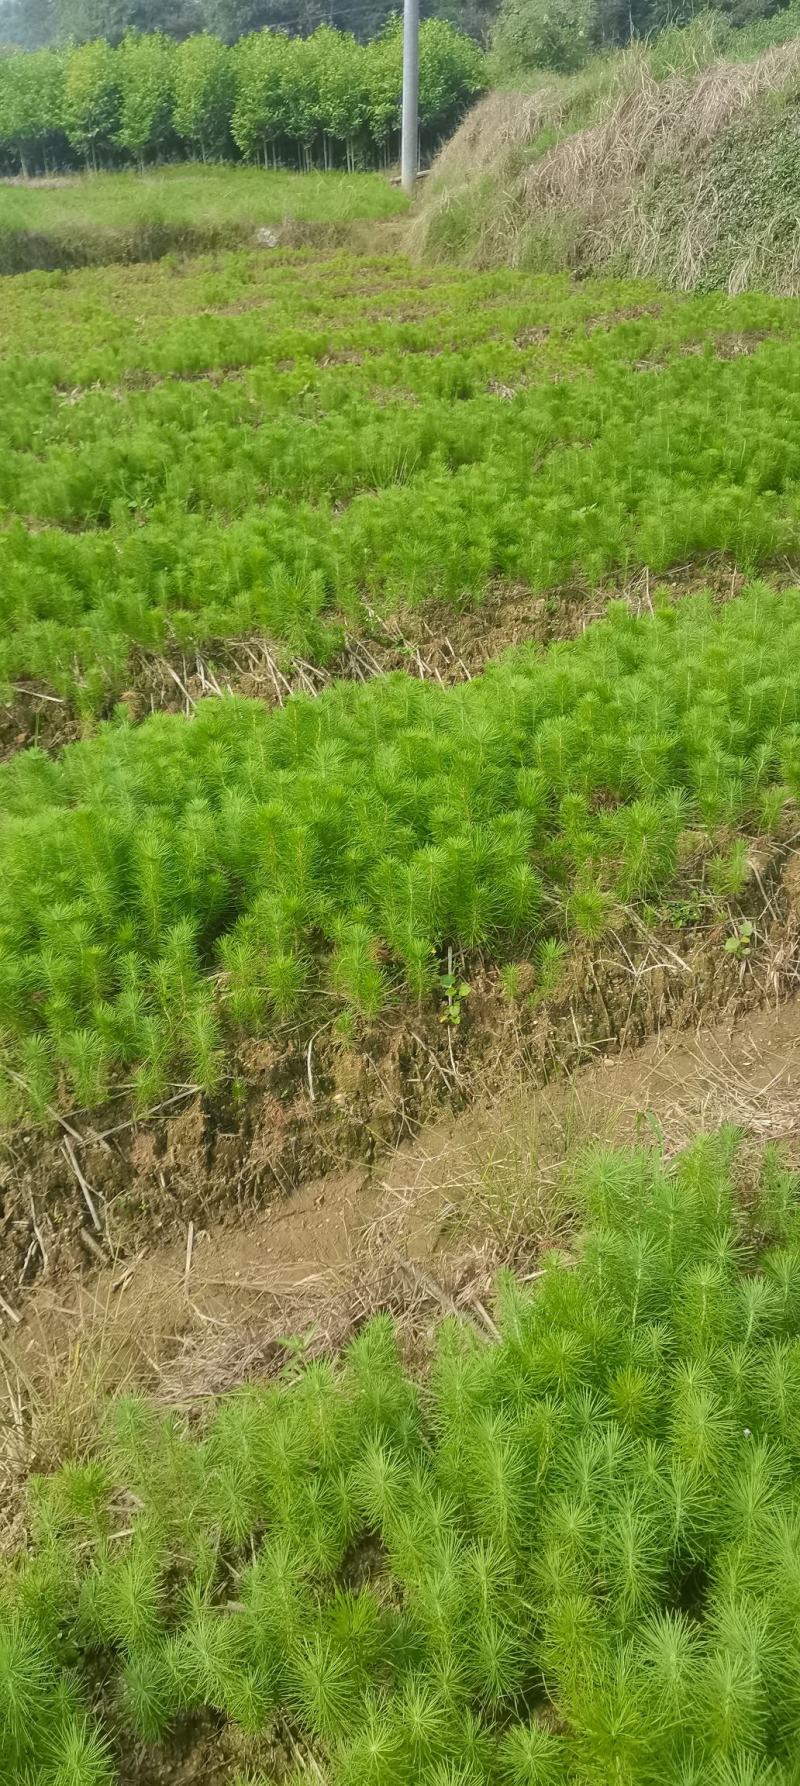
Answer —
676 161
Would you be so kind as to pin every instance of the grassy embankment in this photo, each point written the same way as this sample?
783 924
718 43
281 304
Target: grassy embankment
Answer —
84 220
675 160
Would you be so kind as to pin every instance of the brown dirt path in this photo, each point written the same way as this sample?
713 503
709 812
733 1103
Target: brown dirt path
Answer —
425 1229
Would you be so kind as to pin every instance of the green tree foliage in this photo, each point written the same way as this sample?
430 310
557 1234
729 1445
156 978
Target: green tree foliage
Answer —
384 58
557 34
33 23
343 90
451 75
259 114
92 98
301 96
146 78
204 94
32 107
562 34
323 99
565 1556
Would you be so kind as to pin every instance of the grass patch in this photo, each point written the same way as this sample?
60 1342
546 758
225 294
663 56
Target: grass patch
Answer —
93 219
566 1556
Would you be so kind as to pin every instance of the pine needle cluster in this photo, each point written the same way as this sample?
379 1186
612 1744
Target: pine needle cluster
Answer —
571 1556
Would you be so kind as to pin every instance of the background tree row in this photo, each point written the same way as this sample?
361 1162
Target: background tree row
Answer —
564 34
325 100
31 24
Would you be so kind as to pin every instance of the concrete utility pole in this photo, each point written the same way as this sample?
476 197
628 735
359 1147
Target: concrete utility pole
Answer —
409 154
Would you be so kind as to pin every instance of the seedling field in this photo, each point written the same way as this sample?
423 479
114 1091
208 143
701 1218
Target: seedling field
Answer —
288 454
285 446
277 815
567 1554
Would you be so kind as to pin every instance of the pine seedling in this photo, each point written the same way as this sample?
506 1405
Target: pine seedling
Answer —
752 1486
37 1069
130 1596
704 1309
286 981
744 1769
778 1204
360 1630
669 1649
233 1500
701 1430
379 1484
88 1065
758 1309
150 1694
324 1688
374 1755
79 1755
454 1773
783 1269
531 1755
496 1658
636 1397
551 957
634 1555
496 1478
25 1684
729 874
201 1043
274 1590
729 1704
589 911
424 1718
320 1408
776 1390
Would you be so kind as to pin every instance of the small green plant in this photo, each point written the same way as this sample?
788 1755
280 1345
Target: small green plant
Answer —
551 957
516 979
741 942
455 992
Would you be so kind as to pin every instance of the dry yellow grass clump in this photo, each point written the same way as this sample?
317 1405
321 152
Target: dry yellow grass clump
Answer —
617 169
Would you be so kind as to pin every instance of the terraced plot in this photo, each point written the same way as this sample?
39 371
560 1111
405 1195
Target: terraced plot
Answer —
285 454
284 447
